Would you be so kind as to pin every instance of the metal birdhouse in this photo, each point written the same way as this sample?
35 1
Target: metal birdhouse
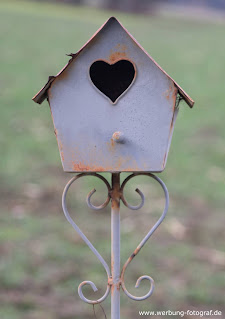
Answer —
113 107
114 110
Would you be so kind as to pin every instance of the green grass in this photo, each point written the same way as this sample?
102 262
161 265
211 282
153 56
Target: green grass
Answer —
42 259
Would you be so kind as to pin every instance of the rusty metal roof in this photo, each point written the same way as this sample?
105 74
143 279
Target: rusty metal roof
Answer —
43 93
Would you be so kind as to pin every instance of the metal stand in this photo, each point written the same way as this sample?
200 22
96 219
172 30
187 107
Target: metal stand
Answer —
115 277
115 246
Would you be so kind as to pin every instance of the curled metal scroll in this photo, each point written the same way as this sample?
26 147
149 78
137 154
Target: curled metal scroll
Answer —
142 243
85 239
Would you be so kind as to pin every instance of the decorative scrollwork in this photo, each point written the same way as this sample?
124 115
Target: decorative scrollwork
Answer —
88 199
136 190
139 247
142 243
80 292
86 240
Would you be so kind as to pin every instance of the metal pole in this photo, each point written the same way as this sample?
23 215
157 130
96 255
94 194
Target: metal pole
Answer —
115 246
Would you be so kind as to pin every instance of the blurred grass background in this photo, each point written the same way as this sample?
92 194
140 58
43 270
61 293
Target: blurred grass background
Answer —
42 259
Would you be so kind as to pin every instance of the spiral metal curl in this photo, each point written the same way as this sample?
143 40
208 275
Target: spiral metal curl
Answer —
142 243
85 239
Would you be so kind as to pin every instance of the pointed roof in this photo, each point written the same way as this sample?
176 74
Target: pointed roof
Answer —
42 94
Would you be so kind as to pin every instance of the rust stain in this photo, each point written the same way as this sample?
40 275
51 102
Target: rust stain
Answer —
116 56
112 289
115 192
115 204
109 164
120 161
118 285
51 113
49 92
112 142
120 52
171 124
82 167
111 145
62 156
134 254
167 96
167 93
171 94
60 144
112 263
86 168
174 97
164 160
121 47
110 281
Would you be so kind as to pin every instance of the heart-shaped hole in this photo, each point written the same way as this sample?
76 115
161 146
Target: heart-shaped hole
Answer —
112 79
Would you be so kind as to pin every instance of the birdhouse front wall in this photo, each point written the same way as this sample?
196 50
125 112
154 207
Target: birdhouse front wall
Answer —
86 120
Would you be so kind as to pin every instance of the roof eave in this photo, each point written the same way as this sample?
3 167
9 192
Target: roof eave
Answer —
185 96
43 93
